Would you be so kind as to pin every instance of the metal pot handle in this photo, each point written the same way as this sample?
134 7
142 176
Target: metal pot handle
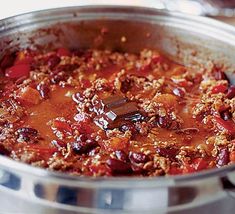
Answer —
228 183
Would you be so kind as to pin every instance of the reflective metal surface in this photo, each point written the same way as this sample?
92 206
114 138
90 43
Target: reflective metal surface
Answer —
215 8
191 40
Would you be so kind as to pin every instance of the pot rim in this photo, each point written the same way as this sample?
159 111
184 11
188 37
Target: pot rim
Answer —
19 167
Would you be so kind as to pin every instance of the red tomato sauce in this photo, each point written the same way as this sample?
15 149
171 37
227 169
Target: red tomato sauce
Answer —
103 113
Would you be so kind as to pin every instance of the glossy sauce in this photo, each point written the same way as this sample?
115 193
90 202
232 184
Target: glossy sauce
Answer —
57 103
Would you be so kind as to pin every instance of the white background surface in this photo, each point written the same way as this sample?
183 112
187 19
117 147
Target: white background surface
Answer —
14 7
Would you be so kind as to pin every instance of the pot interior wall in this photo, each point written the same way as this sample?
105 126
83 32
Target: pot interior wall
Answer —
188 43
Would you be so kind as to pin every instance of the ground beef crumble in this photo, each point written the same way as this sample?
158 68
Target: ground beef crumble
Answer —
67 111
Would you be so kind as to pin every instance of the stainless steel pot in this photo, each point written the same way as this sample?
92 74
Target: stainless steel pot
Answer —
190 40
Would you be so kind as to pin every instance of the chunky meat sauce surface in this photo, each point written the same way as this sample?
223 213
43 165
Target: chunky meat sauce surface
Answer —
103 113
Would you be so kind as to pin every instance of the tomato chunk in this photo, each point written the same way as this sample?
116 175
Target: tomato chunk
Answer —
157 59
83 127
168 100
86 83
227 125
62 126
219 89
116 143
18 71
63 52
175 170
26 60
232 156
23 58
199 164
28 95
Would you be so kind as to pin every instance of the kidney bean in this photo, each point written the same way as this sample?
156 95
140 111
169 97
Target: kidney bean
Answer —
53 61
118 167
27 130
81 117
83 147
222 157
7 60
231 92
138 157
226 115
25 137
78 97
3 150
121 155
27 134
128 127
168 152
220 75
126 85
62 76
44 90
164 122
82 137
178 92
